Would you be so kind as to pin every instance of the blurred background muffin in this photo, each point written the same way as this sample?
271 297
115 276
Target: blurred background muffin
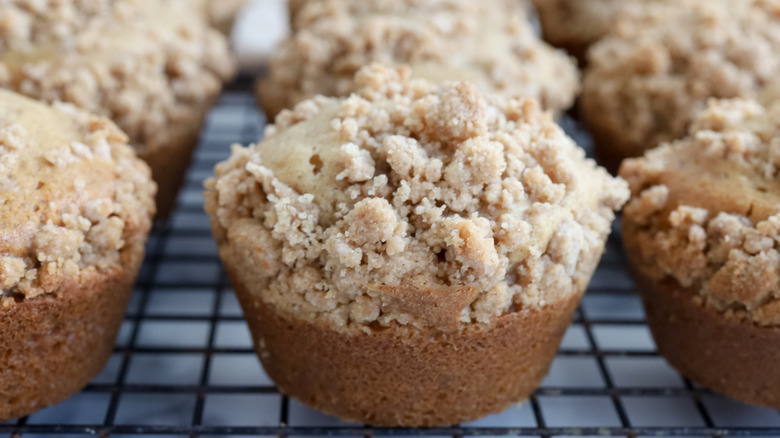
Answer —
645 84
153 67
491 44
702 235
413 242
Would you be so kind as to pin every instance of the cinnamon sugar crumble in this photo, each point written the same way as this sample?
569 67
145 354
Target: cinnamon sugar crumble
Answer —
350 202
730 253
491 44
147 65
76 215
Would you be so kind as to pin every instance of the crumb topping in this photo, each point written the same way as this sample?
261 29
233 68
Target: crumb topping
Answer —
74 197
706 209
147 65
412 203
647 81
491 44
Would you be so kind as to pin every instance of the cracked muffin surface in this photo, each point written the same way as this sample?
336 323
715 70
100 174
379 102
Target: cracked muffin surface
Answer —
74 197
412 204
645 84
706 210
491 44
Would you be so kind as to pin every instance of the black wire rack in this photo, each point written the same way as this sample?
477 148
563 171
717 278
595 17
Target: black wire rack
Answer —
184 364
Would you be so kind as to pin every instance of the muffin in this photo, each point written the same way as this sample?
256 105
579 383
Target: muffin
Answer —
154 68
410 255
645 85
575 25
491 44
222 13
77 207
701 235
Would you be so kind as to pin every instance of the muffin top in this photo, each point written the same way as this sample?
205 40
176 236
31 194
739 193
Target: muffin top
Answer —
412 204
151 66
706 209
491 44
75 198
646 83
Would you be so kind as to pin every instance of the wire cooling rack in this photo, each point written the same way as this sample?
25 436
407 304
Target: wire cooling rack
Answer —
184 363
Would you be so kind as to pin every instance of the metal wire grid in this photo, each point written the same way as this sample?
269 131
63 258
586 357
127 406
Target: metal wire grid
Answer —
184 365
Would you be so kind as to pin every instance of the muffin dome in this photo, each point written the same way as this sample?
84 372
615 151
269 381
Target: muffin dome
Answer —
707 209
77 206
646 84
491 44
406 185
74 197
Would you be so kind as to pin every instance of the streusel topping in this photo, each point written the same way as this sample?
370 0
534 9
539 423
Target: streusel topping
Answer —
412 203
73 194
646 83
151 67
706 209
491 44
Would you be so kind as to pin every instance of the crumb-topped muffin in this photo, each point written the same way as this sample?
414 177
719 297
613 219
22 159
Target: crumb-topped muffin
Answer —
702 234
575 25
77 206
154 67
491 44
410 255
645 84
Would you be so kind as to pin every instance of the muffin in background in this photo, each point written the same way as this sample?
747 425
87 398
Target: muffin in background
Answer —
575 25
491 44
410 255
154 67
77 208
701 234
645 84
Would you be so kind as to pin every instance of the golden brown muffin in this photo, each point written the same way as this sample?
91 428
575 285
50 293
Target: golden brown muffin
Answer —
155 68
410 255
491 44
702 237
575 25
645 85
77 206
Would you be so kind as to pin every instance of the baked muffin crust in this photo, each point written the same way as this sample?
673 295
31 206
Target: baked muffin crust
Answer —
646 83
491 44
74 196
706 210
411 204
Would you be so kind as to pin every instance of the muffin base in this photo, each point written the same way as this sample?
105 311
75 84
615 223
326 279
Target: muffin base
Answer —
412 378
724 353
52 346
